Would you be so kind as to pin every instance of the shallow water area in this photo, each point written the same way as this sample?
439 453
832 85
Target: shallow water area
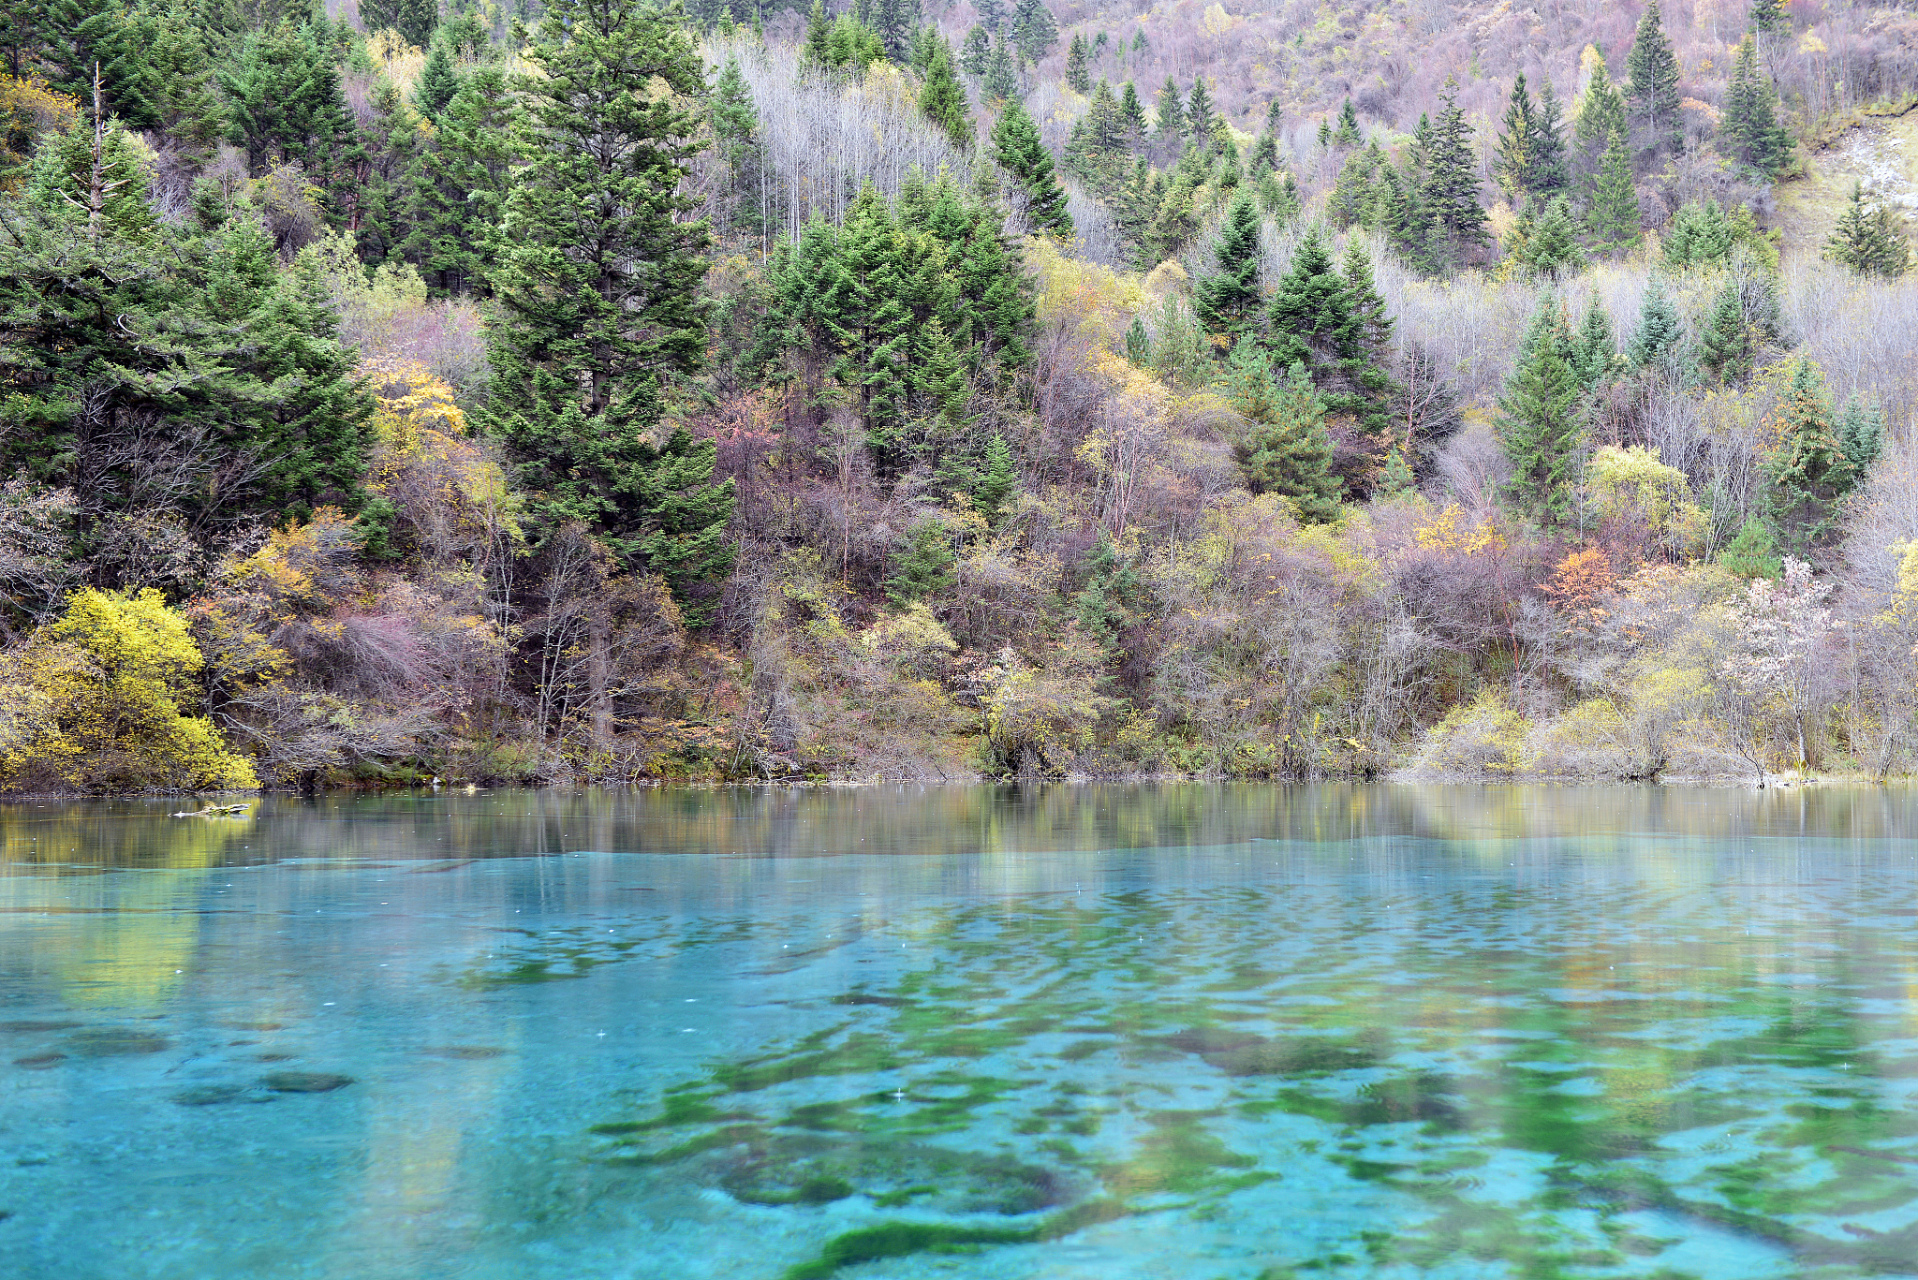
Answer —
1207 1031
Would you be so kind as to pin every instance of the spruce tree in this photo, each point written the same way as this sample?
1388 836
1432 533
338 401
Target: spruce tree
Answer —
1288 450
1230 302
735 124
1660 337
1539 420
1033 29
1001 81
943 100
1132 114
1727 348
1652 69
1347 133
993 498
1450 192
1601 113
1171 115
894 22
1613 220
1078 75
1807 467
1552 249
463 187
1019 151
992 13
975 51
1868 241
438 82
1513 157
1594 346
1200 118
598 293
1551 173
1748 128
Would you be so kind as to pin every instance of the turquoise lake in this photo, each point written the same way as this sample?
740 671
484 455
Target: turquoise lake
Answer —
1152 1032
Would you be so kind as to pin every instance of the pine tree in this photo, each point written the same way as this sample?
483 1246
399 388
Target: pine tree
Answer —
1230 302
438 82
1347 133
1659 338
1450 193
1769 17
415 19
1727 348
1748 127
1033 29
599 295
1539 421
1652 69
1078 75
944 101
1290 452
894 22
817 47
924 567
1868 241
975 51
1552 249
1265 156
1021 154
1001 82
1171 123
992 13
1138 346
1613 220
1132 114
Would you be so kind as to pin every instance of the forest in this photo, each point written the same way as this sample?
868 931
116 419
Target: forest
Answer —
540 391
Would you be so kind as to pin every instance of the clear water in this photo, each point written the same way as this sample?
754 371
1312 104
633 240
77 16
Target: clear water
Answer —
1081 1033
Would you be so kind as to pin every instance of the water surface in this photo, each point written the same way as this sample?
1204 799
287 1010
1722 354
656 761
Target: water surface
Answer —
1081 1033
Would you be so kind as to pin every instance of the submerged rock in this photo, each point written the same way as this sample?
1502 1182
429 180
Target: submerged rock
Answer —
464 1052
304 1081
809 1168
214 1095
40 1061
31 1024
113 1042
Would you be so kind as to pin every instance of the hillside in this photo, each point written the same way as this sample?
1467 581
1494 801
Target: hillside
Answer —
406 391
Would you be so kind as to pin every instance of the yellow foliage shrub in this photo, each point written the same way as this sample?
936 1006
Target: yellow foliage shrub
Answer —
1483 738
96 701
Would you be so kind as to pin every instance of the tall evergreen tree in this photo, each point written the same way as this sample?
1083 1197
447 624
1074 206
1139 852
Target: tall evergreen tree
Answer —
1230 302
1347 133
1287 450
1078 73
1019 151
1613 219
1868 241
1748 127
1132 114
1033 29
1001 81
598 294
1594 346
1653 90
1450 193
1659 339
975 51
1513 157
1171 115
943 100
462 194
1601 113
1539 421
1551 173
1200 117
894 22
438 82
1808 467
736 136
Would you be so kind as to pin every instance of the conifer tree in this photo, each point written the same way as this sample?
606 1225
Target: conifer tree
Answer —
1078 75
1033 29
894 22
1594 346
1613 220
992 13
924 567
943 100
1552 249
1138 346
1868 241
817 46
438 82
1200 118
1287 450
975 51
1539 422
1808 468
1450 192
1001 81
1652 69
1551 173
1601 113
1513 157
1230 302
464 181
999 485
1171 122
1132 114
735 125
1265 156
1347 133
1660 337
598 292
1019 151
1727 348
1748 127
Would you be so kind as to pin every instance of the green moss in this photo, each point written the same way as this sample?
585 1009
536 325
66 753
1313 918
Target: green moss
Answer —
1176 1155
899 1240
